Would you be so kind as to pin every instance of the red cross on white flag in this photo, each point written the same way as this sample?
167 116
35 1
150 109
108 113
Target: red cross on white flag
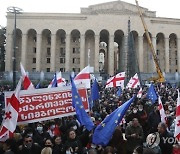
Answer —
11 114
177 120
133 82
162 112
83 77
116 81
27 84
139 94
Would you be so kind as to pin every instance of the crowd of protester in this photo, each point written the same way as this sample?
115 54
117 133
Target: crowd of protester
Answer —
133 135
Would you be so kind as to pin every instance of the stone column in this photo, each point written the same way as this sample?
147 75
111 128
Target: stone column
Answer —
111 55
154 45
82 52
178 53
53 53
167 55
24 50
9 51
68 53
96 58
141 55
38 52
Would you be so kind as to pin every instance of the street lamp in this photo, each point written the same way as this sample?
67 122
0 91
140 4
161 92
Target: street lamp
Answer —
14 10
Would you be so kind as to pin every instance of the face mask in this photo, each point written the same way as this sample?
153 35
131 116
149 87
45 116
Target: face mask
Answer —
47 145
140 109
52 126
75 127
170 108
39 128
134 111
29 145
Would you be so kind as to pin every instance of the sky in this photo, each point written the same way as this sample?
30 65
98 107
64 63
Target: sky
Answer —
163 8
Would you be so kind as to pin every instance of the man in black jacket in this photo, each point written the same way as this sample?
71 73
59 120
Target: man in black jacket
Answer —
166 139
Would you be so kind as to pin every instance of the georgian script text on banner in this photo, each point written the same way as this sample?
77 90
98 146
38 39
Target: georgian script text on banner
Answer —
46 104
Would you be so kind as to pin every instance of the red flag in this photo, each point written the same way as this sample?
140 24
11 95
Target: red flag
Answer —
83 77
11 114
115 81
177 120
27 84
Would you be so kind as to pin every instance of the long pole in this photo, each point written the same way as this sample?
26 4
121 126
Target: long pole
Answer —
14 10
14 52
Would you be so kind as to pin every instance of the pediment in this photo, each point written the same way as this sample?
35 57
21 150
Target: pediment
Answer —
115 7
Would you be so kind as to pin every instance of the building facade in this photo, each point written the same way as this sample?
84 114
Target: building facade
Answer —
97 36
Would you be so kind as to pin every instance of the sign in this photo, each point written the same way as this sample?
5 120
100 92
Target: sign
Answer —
45 104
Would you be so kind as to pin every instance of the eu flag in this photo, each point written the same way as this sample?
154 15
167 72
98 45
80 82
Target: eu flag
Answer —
54 82
151 94
81 114
105 129
95 91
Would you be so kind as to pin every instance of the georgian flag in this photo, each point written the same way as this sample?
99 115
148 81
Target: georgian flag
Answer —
133 82
27 84
11 114
83 77
57 81
139 94
115 81
162 112
177 120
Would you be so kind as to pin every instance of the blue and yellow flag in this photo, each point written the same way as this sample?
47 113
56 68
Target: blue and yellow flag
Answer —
105 129
81 114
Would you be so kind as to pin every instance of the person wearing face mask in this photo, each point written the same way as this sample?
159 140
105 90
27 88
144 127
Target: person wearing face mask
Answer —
29 147
53 129
40 134
133 114
47 147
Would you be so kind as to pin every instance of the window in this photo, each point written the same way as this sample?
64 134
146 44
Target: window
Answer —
34 60
34 38
62 60
62 40
76 60
157 52
176 62
33 69
49 40
62 52
34 50
76 69
76 50
47 69
48 51
175 53
48 60
62 69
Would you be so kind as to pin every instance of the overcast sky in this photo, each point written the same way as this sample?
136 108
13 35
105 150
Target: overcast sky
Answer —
163 8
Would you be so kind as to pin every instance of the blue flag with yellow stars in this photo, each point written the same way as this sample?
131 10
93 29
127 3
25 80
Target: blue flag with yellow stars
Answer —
119 92
151 94
81 114
105 129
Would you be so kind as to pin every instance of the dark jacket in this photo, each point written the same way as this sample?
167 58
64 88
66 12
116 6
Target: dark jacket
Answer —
166 144
35 149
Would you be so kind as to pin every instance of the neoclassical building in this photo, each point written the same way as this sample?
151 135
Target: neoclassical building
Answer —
97 36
